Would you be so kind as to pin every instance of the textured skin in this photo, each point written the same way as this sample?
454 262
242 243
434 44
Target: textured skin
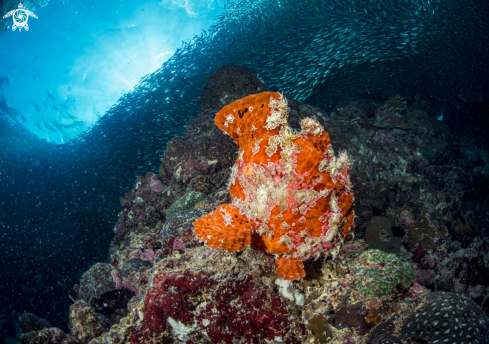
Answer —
290 195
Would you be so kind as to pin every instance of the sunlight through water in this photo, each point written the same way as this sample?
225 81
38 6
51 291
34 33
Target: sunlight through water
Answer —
79 57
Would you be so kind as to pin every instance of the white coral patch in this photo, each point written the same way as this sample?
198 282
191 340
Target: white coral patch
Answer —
299 299
177 173
179 329
284 291
284 288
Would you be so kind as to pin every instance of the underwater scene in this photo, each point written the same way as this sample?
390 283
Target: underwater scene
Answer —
244 171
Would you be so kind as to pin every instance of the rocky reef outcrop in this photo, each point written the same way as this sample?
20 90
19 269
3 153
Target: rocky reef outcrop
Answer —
417 246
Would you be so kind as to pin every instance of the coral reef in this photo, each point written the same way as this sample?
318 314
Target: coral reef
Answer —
445 316
380 273
202 295
233 308
163 285
436 318
465 270
291 196
85 324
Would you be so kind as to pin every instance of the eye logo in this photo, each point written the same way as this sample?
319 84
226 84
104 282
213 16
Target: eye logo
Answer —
20 17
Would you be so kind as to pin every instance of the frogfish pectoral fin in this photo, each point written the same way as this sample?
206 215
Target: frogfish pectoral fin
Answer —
289 268
225 227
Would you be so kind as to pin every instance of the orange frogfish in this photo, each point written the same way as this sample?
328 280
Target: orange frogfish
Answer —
291 196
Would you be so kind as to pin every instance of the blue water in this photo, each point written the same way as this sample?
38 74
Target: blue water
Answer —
90 95
79 57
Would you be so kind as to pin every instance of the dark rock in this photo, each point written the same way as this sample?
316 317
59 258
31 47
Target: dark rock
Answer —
379 235
135 264
113 305
52 335
200 164
227 84
353 315
27 322
96 281
425 231
42 323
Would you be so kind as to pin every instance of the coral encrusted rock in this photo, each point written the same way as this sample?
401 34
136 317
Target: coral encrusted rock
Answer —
85 324
96 281
227 84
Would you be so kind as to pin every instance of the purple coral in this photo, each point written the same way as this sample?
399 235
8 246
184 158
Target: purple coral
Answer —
155 184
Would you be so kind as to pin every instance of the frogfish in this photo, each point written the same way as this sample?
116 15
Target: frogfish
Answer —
291 196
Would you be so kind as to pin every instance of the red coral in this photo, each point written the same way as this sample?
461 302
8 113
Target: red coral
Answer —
235 310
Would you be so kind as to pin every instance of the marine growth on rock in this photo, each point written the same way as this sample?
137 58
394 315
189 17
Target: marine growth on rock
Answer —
291 196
